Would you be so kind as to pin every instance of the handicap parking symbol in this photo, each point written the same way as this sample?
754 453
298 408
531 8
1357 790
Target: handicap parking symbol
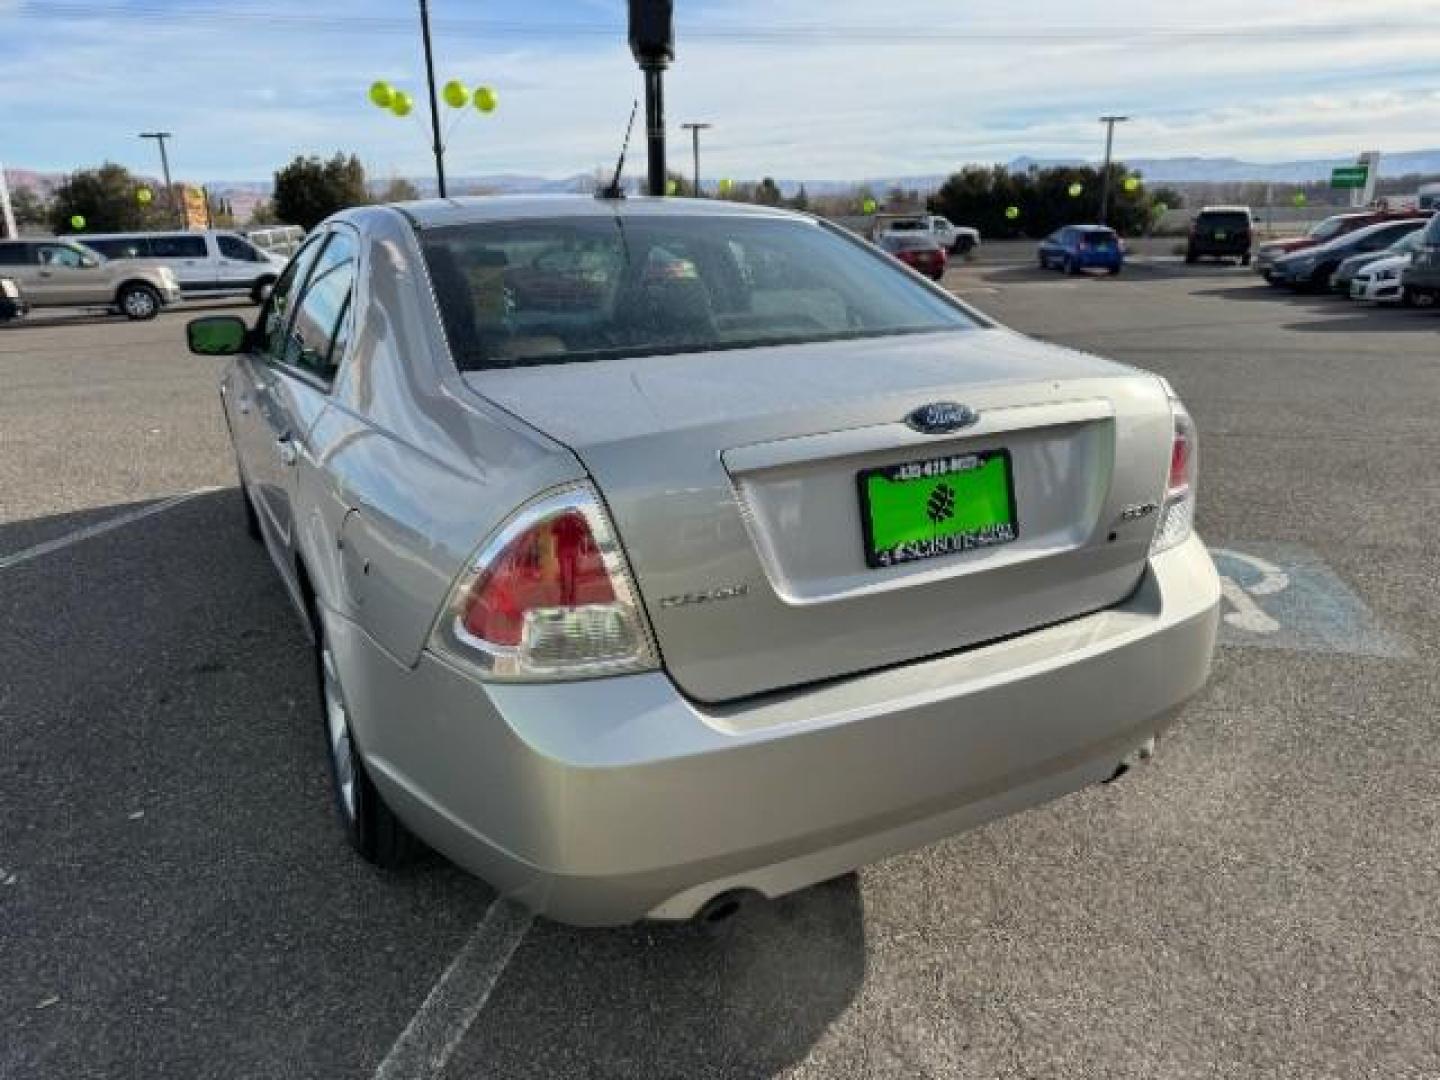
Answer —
1281 596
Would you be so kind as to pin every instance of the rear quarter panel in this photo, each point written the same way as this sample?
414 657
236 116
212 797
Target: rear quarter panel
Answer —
413 471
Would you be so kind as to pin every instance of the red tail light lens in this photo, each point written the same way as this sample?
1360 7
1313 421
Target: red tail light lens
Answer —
1179 463
555 564
548 597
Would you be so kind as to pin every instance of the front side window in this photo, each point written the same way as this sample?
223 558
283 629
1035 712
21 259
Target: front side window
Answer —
232 247
121 248
60 255
312 342
553 291
275 316
178 247
14 255
1328 229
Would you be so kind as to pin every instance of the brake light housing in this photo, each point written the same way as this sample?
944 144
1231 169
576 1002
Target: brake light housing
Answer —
1177 514
548 597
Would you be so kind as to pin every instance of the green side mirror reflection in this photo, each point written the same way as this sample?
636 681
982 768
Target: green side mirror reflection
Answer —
218 335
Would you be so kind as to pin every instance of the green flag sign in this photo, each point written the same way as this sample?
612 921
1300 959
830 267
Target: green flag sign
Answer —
1349 176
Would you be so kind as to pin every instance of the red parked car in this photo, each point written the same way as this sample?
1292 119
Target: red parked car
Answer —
917 252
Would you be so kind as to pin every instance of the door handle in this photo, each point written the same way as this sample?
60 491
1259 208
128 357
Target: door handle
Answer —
287 450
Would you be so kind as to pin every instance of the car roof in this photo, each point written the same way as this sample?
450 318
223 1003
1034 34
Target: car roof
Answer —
1225 210
1091 228
471 210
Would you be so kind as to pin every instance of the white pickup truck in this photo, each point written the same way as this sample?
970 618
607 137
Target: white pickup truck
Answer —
956 239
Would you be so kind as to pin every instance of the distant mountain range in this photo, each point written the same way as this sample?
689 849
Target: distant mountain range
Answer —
244 194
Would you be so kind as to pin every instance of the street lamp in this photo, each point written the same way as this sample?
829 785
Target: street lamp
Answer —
695 130
1109 122
160 137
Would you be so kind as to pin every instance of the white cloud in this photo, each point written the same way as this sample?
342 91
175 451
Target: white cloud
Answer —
1303 78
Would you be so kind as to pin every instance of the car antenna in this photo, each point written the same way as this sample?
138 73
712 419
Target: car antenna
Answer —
614 190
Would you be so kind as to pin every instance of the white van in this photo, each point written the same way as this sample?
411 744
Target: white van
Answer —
207 262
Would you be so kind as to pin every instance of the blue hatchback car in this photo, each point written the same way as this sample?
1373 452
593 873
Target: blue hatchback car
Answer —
1082 247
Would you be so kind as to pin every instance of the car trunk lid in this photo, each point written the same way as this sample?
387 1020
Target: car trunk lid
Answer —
734 481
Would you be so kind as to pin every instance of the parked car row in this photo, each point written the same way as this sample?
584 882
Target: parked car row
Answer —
136 274
1395 259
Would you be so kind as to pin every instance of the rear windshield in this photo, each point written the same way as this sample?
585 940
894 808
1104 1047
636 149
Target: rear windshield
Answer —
1225 219
1329 228
1097 238
562 290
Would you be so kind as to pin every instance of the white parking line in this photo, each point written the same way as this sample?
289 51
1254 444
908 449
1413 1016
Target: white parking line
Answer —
7 561
457 998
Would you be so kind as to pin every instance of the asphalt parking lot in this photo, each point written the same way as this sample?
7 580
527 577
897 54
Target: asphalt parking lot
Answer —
1258 901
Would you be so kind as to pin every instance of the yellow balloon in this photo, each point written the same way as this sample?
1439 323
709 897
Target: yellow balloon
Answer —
455 94
1012 212
869 206
401 104
486 99
382 94
671 187
1132 183
1076 190
725 186
77 222
144 195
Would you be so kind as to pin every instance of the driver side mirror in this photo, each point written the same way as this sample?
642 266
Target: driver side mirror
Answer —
217 335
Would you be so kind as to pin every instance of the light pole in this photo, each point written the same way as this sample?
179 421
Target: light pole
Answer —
434 108
695 130
1109 122
160 137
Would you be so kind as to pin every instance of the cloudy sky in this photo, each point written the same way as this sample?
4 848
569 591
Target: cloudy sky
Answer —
840 89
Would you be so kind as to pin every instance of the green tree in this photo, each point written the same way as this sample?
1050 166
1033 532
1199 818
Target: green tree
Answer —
801 200
681 187
263 214
399 189
768 193
32 211
309 190
107 199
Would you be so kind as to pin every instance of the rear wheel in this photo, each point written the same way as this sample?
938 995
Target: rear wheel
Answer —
1114 270
373 830
139 301
1418 298
1071 267
1190 256
1245 259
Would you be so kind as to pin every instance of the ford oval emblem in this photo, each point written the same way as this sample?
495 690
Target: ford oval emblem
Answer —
941 418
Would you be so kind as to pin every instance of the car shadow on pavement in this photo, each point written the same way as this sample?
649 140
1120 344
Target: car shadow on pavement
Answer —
180 900
744 998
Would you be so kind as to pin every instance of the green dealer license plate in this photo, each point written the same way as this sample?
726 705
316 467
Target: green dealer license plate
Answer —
941 506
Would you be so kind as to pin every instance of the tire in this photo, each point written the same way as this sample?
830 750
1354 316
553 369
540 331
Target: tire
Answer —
1070 267
373 830
138 302
1114 271
261 291
1191 258
1418 298
1245 259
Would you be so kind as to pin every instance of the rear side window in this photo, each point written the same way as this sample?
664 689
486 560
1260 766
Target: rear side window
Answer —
564 290
134 247
14 255
312 343
178 247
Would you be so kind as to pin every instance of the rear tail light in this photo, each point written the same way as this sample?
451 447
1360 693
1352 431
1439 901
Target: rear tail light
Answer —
549 597
1177 513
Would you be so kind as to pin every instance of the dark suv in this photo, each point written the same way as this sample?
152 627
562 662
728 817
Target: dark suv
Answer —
1420 286
1221 231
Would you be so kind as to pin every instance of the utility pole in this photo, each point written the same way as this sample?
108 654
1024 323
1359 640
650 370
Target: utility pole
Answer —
434 107
1109 122
695 130
160 137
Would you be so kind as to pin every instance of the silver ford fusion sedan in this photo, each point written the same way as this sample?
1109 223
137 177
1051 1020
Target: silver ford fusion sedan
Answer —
659 552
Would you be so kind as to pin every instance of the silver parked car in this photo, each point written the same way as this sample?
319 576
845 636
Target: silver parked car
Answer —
658 552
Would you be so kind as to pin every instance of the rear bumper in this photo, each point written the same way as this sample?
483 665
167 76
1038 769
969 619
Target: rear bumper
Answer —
608 801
